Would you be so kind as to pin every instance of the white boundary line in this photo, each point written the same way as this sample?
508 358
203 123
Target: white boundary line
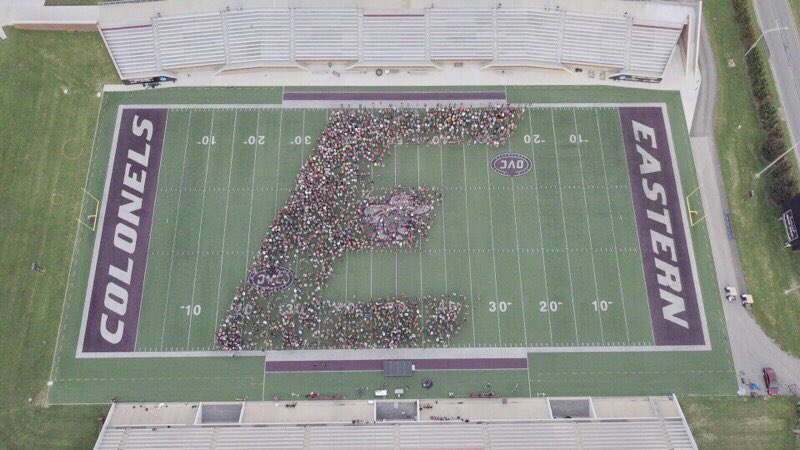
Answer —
258 106
687 229
399 353
98 232
543 349
613 232
588 226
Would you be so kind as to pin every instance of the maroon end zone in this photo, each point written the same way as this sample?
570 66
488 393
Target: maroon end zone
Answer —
668 271
116 281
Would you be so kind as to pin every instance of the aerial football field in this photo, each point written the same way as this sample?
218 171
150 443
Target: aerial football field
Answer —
592 263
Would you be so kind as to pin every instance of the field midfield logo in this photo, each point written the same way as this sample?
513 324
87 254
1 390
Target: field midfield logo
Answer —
511 164
271 278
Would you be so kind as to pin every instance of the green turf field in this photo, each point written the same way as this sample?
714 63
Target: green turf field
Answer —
548 260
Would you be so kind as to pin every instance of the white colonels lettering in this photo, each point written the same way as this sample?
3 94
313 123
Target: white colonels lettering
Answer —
126 233
661 235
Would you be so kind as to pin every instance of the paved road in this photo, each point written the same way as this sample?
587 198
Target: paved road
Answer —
783 48
752 349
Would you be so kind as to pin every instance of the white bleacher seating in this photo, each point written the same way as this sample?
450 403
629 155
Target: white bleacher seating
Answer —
280 37
393 37
595 40
190 40
461 34
259 37
326 34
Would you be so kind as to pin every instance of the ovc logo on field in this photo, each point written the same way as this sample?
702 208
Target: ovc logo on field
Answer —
271 278
511 164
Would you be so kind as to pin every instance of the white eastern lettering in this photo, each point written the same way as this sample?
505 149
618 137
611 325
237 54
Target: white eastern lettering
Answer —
133 181
643 132
141 127
675 305
663 243
125 238
116 298
114 337
122 275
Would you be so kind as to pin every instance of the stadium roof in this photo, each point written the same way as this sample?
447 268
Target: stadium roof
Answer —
621 422
152 38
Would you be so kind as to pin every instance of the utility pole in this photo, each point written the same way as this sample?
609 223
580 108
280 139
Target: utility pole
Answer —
762 35
758 174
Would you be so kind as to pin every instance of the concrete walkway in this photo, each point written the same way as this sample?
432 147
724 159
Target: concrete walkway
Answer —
752 349
33 14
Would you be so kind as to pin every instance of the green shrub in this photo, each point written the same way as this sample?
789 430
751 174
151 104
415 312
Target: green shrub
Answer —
781 188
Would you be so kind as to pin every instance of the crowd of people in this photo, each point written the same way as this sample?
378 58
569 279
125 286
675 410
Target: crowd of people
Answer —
325 217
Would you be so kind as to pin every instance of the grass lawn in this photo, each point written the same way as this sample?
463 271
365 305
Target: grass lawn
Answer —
727 422
35 121
769 268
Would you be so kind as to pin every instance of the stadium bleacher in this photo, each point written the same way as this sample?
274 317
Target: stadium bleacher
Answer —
496 37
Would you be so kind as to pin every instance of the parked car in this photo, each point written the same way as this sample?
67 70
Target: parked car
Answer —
770 381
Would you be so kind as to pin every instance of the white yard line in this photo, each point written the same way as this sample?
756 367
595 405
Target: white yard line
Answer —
200 229
539 217
396 252
519 263
278 164
469 257
175 232
420 243
491 234
225 221
589 229
641 262
372 251
252 193
564 222
444 227
613 233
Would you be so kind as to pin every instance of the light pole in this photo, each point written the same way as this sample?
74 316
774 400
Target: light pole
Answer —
758 174
762 35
